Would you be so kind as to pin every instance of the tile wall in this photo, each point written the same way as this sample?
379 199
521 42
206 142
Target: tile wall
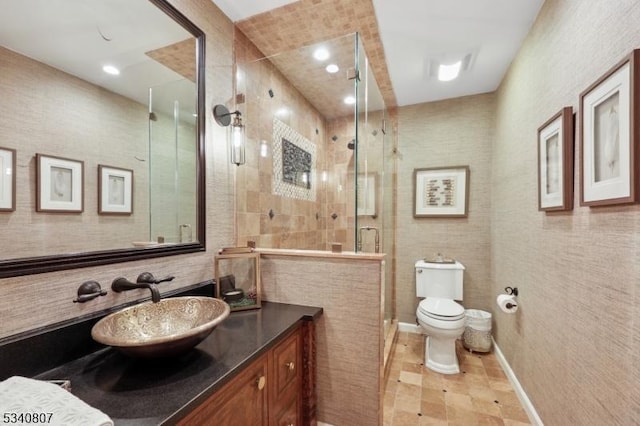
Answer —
296 223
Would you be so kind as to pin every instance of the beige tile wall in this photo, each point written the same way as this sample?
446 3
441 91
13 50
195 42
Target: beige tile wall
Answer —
349 333
38 300
440 134
294 224
305 22
574 344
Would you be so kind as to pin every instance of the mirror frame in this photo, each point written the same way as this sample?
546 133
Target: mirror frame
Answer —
42 264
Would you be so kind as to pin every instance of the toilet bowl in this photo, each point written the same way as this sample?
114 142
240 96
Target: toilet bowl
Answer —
443 321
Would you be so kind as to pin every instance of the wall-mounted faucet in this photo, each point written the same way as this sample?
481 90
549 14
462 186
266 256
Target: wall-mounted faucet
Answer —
89 290
145 280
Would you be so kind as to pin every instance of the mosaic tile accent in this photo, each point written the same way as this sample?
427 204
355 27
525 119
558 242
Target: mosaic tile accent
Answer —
296 165
283 134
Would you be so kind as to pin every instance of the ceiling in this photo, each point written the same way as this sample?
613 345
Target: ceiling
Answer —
415 36
80 36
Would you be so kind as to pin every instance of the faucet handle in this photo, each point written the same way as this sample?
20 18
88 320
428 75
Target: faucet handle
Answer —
147 277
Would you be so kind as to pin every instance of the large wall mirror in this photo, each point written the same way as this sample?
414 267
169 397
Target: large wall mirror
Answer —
103 105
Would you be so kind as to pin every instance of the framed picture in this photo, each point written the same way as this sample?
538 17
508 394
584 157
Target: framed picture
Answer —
59 184
237 274
7 179
555 162
441 192
609 114
115 186
367 185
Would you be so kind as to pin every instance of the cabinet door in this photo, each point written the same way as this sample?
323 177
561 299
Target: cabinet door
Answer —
289 414
285 399
287 365
242 401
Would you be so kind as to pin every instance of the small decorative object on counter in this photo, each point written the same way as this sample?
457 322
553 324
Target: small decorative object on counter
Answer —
237 273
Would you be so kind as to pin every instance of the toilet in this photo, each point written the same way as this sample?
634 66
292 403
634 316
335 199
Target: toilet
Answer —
442 319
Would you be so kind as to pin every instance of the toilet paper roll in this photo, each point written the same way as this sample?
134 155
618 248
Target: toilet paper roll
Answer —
507 303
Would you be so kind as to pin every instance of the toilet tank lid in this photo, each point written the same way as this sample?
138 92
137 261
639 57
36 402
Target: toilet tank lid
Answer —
431 265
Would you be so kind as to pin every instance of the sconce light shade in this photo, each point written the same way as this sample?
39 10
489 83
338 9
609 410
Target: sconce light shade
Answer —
237 141
223 117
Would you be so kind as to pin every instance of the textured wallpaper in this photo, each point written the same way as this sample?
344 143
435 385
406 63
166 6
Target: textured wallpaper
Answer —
574 342
456 132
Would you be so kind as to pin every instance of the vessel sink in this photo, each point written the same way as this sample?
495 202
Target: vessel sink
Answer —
169 327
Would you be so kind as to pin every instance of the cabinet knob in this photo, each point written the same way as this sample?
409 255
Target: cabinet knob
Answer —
261 381
291 365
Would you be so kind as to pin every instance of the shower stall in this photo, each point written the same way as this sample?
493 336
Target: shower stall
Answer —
172 159
319 152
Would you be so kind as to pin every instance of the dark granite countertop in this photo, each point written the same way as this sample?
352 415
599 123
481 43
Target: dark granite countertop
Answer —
151 392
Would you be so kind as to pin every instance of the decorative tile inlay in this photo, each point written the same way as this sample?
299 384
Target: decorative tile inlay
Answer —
292 151
296 165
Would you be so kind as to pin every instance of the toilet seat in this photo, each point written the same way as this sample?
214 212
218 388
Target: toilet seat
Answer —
441 309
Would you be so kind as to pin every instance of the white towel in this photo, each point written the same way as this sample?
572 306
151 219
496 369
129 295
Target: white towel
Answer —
29 397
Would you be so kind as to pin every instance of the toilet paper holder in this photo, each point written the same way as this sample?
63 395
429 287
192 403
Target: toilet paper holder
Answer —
511 291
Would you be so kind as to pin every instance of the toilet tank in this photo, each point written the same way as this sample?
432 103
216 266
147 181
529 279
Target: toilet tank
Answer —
439 279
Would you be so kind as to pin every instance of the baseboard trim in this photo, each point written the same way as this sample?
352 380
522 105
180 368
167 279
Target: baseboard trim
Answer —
410 328
522 395
517 387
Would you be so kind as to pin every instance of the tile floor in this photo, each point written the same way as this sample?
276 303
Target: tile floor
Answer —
417 396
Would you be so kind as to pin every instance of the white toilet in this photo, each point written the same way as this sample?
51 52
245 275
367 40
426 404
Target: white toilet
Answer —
441 318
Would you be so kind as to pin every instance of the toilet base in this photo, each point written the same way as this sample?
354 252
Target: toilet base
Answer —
440 355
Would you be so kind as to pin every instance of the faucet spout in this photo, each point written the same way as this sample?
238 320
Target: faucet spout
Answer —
122 284
155 293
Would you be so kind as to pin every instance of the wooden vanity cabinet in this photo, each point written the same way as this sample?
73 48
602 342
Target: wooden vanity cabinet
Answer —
285 393
244 400
269 392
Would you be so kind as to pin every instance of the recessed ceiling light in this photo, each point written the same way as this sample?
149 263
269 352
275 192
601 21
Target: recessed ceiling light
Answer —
321 54
332 68
449 72
110 69
349 100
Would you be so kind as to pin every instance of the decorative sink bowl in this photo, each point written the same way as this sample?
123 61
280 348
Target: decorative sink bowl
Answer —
169 327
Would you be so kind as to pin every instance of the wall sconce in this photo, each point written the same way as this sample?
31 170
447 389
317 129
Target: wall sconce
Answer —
223 117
